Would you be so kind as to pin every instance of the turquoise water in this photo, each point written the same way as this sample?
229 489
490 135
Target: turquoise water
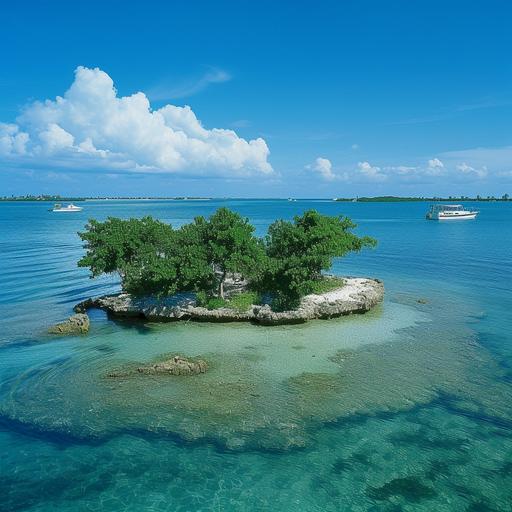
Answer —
408 407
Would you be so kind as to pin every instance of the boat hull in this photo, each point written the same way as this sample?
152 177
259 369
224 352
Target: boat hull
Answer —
458 217
462 216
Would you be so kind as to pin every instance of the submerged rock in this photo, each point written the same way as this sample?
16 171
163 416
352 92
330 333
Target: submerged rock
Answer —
175 366
75 324
357 295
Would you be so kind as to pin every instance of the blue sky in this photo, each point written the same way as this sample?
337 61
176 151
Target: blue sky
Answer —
256 99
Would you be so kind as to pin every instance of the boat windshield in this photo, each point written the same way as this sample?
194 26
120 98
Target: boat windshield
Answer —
447 207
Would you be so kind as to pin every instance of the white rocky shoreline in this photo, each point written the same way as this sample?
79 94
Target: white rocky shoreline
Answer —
358 295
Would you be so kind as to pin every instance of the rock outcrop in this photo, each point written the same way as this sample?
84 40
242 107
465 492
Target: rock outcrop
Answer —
176 365
75 324
358 295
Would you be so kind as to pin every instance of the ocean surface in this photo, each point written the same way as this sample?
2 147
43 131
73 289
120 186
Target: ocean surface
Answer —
406 408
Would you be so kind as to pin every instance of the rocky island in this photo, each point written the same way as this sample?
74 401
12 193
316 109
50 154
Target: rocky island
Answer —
217 270
357 295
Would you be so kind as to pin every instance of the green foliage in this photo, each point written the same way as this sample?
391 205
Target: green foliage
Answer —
231 245
208 301
298 251
153 258
240 302
114 245
326 284
243 301
193 265
149 256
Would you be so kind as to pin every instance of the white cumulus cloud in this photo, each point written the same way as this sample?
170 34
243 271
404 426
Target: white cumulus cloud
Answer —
371 172
466 169
435 163
323 167
12 141
91 127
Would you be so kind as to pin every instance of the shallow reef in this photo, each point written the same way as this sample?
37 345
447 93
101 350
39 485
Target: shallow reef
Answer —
260 392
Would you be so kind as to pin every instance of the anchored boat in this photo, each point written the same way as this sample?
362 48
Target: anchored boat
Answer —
450 212
68 208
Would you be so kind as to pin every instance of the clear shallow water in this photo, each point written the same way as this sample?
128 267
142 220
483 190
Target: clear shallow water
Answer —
406 408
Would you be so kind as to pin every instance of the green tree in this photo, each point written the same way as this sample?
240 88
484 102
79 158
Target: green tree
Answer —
299 251
231 246
115 245
153 258
148 255
193 265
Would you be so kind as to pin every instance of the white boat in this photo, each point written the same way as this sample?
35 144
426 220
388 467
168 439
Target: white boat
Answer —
68 208
450 212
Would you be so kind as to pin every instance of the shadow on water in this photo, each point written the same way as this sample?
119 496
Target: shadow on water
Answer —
19 493
131 323
411 489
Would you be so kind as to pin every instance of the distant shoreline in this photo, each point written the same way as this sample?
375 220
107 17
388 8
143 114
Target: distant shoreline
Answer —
377 199
398 199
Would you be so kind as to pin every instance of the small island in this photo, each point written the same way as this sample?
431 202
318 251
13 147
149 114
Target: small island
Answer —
216 269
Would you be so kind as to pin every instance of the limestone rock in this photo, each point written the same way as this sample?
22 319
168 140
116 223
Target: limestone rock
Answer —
75 324
358 295
177 365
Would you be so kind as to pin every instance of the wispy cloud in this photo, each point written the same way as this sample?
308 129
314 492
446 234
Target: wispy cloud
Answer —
449 113
167 90
464 168
497 158
241 123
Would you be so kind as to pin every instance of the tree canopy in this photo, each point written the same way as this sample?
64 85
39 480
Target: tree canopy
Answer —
299 251
232 246
153 258
114 245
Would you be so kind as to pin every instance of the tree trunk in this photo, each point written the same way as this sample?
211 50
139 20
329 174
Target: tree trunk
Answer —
221 285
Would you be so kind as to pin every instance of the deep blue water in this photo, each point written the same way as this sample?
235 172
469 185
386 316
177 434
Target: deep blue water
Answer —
406 408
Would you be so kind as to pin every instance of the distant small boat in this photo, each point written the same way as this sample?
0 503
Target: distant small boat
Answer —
68 208
450 212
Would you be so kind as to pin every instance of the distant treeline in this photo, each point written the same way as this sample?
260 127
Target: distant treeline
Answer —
154 198
58 198
397 199
55 199
377 199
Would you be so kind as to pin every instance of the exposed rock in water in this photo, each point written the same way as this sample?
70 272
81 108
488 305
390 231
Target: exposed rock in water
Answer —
75 324
176 365
357 295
